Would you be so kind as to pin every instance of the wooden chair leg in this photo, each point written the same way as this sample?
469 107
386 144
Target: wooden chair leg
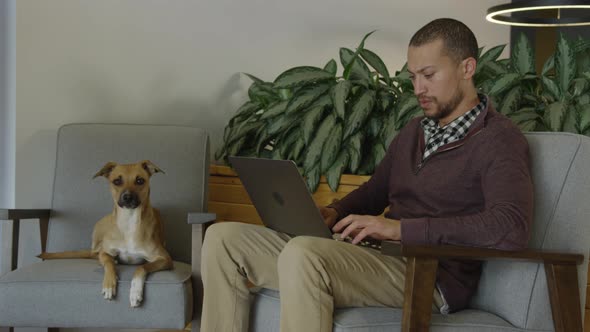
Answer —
564 296
418 294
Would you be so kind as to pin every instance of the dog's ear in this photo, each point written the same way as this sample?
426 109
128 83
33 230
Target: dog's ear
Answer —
150 167
105 170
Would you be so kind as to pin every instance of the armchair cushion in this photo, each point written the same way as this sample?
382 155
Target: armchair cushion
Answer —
266 318
63 293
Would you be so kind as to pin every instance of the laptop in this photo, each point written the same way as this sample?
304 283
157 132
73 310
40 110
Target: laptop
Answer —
280 196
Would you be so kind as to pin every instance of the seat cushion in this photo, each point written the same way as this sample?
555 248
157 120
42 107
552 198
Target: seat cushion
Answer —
265 318
62 293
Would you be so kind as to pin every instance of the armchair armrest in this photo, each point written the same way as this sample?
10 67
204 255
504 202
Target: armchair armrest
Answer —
422 262
395 248
199 223
16 215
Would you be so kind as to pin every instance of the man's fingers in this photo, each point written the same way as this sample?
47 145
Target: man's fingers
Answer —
343 223
361 235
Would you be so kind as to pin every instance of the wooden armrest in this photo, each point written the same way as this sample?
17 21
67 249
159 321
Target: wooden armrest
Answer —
422 263
16 214
395 248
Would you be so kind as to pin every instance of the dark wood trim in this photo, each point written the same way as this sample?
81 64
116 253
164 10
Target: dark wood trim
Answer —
11 214
418 293
562 282
15 236
43 228
394 248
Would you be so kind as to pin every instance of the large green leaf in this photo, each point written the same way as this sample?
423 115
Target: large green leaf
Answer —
355 149
287 142
555 115
331 67
406 104
339 95
378 154
584 111
529 125
511 101
262 92
235 147
348 68
305 96
281 124
549 64
579 86
390 129
524 114
254 78
359 112
312 178
506 82
275 109
358 69
490 56
523 59
551 87
335 171
331 147
315 149
296 151
311 121
375 61
565 64
299 76
570 120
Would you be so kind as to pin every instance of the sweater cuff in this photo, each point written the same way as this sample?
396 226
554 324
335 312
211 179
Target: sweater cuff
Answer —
414 231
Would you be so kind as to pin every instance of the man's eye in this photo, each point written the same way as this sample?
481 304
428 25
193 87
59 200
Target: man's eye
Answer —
139 181
117 182
428 75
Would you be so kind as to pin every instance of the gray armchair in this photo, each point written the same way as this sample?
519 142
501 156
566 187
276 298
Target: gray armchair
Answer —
540 289
67 293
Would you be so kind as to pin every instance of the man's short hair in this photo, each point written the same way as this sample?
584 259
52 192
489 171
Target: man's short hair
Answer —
459 41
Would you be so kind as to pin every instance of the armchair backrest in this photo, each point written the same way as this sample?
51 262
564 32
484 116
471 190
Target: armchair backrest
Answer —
78 201
517 291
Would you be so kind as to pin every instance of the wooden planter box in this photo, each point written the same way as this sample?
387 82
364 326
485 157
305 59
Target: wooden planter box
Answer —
229 200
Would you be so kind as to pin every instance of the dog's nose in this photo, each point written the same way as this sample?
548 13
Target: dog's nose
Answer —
126 197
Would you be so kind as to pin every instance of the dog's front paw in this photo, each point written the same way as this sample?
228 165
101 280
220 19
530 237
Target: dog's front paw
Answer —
109 288
136 292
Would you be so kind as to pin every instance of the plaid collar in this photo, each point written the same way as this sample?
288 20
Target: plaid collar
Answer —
435 136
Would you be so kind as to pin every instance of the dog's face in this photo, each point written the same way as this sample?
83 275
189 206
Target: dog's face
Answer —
130 184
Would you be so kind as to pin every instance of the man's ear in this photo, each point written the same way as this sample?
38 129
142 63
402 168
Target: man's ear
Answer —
469 66
150 167
105 170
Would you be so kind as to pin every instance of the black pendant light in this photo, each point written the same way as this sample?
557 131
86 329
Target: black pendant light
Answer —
498 14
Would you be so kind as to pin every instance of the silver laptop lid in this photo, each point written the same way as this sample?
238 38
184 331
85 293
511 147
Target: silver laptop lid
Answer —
280 196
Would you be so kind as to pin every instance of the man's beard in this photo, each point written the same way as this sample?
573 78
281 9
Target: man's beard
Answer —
447 108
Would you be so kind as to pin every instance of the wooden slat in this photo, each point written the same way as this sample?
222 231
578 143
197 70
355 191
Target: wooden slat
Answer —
235 212
346 179
587 297
587 321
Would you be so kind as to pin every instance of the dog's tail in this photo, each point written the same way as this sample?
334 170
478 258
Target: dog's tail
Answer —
69 254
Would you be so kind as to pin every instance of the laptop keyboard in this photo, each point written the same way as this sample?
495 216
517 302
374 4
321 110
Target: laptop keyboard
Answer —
368 243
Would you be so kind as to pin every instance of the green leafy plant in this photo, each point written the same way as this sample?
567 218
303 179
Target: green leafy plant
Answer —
330 124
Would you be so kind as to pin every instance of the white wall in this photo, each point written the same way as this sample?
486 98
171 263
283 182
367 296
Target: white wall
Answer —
178 62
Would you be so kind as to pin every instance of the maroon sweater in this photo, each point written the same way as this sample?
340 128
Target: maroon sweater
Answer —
473 192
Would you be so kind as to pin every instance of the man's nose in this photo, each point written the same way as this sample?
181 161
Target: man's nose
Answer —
419 87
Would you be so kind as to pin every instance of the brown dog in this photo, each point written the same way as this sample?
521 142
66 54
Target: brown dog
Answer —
132 234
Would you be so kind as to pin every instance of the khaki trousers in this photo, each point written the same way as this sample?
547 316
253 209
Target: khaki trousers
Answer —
313 275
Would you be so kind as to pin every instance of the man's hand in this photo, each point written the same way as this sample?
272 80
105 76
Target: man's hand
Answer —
361 226
330 215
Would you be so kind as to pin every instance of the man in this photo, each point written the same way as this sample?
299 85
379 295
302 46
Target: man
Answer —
459 176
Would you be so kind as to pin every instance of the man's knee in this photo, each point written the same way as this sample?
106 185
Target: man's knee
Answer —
298 253
221 234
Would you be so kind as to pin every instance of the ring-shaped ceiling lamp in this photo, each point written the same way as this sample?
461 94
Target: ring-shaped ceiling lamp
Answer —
498 14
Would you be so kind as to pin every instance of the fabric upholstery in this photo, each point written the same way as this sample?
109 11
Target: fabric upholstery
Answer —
67 293
512 295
